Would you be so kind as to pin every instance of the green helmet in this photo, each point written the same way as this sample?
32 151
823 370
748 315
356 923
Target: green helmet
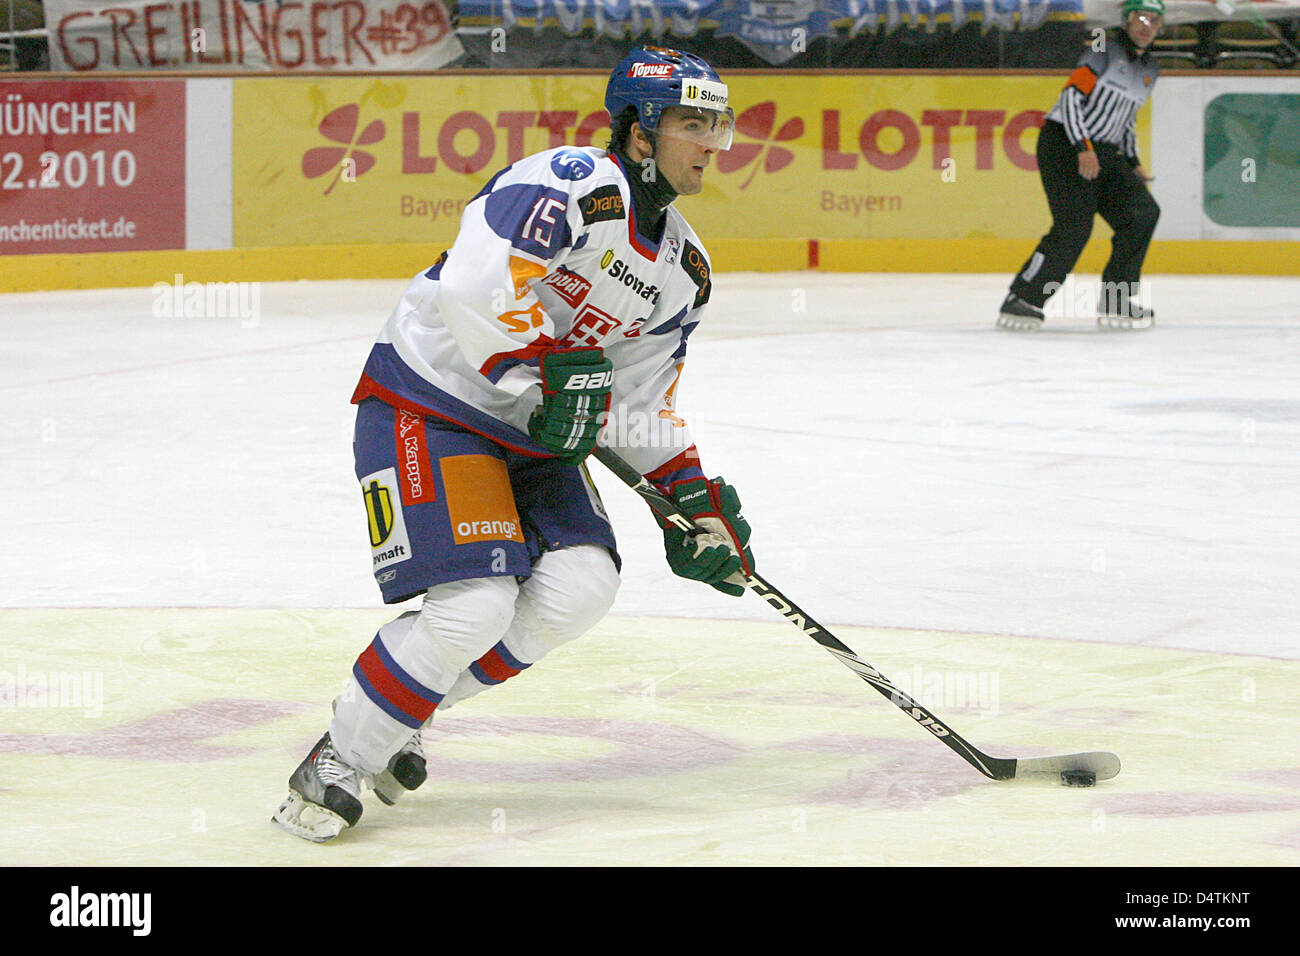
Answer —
1150 6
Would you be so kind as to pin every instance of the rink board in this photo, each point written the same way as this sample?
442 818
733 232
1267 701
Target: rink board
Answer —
913 172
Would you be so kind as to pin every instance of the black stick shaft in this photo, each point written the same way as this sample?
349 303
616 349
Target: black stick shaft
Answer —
996 768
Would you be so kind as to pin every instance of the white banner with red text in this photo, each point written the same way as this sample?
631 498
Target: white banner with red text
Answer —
278 35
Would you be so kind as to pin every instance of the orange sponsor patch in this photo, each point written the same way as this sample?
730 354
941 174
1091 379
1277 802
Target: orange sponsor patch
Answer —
521 320
522 271
480 502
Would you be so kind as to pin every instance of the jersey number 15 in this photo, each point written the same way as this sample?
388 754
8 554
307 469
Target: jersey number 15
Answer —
541 221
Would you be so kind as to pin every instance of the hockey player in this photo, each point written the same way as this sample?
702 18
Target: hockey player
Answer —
1088 161
564 303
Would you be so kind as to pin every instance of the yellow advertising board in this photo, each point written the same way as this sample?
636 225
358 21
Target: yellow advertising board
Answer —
394 159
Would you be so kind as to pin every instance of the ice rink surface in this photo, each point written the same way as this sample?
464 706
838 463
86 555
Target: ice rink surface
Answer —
1070 540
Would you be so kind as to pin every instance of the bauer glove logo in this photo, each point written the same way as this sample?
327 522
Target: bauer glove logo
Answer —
584 380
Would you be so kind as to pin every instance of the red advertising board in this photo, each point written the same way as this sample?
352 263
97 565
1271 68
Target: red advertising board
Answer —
95 166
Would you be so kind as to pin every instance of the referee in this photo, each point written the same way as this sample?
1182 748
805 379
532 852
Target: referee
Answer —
1087 157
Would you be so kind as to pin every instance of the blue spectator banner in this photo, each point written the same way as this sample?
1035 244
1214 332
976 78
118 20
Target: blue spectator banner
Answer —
776 30
278 35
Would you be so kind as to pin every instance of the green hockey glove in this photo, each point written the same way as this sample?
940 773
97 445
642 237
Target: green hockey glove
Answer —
575 392
720 555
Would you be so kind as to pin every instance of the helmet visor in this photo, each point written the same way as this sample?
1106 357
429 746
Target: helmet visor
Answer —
712 129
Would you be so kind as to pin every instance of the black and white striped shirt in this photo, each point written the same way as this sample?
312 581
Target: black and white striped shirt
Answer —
1100 102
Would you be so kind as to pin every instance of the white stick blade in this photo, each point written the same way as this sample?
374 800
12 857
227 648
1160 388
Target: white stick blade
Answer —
1104 765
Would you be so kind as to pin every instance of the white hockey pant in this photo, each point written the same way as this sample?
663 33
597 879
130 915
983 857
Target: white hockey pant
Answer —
467 636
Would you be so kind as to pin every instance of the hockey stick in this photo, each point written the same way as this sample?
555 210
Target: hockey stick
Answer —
1102 765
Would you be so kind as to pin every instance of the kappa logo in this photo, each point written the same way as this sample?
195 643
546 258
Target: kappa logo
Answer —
417 486
569 286
639 70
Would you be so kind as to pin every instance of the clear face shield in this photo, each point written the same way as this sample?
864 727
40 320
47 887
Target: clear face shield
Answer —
703 118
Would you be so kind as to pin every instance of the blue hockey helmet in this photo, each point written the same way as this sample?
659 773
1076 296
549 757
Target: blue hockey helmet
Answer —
650 79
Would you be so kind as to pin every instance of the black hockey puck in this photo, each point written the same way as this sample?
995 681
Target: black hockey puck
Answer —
1078 778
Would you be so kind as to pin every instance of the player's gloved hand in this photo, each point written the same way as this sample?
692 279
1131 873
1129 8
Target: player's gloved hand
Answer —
719 556
575 391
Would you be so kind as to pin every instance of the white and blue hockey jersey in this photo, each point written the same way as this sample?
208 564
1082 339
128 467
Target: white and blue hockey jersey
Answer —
548 256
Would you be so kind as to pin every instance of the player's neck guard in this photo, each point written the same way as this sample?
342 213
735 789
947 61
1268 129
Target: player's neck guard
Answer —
651 195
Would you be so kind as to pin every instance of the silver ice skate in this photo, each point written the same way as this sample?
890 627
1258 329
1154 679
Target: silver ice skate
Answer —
1131 316
405 771
324 796
1017 315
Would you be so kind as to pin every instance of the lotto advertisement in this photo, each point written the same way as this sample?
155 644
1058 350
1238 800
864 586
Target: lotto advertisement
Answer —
395 159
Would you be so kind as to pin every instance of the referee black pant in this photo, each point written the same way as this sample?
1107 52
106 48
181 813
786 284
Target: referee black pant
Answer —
1118 195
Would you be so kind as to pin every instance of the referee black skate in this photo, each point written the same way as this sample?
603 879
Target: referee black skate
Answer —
1088 160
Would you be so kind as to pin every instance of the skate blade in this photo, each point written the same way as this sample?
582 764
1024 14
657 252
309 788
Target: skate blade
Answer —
387 789
307 820
1019 323
1119 323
